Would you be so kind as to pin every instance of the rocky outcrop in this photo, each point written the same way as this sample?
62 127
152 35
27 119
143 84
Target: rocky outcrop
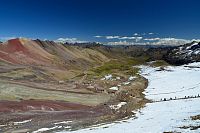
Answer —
184 54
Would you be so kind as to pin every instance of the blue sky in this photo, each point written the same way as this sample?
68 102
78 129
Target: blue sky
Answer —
85 19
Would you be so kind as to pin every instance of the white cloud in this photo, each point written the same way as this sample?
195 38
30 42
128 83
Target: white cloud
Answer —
150 33
155 41
138 38
126 43
69 40
197 40
170 41
127 37
136 34
112 37
120 43
152 39
98 36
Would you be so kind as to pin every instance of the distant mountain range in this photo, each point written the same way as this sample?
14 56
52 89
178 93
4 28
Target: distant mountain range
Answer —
84 55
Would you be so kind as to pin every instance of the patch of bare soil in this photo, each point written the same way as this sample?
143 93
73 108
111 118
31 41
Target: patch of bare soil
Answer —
37 105
32 115
196 117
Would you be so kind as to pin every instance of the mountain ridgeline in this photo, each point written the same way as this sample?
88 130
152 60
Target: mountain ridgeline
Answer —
48 53
184 54
85 55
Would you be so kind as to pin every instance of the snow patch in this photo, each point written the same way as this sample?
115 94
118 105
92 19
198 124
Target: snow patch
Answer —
132 78
118 78
114 88
118 106
2 126
197 52
46 129
194 44
63 122
22 122
126 83
108 77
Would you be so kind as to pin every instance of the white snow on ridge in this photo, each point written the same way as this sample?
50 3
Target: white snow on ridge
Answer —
163 116
197 52
194 44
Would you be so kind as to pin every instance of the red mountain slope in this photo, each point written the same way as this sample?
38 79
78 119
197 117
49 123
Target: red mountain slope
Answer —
23 51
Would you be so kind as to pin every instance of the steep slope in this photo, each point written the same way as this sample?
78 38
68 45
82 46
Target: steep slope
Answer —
184 54
24 51
48 53
75 56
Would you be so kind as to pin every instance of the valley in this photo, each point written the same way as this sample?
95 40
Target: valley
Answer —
99 66
47 86
83 85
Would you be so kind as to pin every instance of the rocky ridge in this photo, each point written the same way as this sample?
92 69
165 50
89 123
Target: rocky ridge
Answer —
184 54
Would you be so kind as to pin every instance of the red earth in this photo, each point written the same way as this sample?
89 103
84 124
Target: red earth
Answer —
36 105
22 51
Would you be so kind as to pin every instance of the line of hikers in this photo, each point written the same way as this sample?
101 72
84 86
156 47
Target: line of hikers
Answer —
186 97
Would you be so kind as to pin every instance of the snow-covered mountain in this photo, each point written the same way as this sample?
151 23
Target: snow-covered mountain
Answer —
184 54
